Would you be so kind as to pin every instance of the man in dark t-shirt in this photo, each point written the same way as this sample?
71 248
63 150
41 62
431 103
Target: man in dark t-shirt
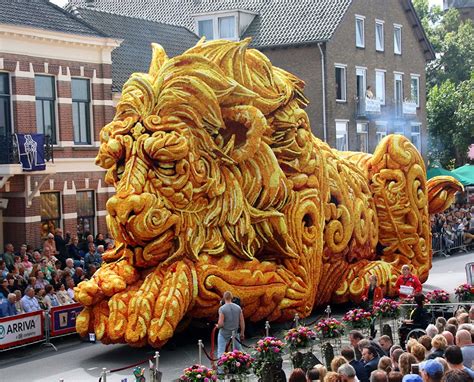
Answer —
230 319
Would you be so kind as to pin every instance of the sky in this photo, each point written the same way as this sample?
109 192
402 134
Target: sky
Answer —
61 3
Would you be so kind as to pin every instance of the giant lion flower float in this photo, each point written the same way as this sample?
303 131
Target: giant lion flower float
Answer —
221 185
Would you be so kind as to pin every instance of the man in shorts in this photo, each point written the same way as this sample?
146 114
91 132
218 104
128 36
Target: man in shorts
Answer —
230 320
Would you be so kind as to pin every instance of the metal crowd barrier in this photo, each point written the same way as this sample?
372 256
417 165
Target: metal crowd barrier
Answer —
40 326
441 244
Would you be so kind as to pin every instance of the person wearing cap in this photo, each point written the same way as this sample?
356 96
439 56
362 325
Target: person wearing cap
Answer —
431 371
407 279
412 378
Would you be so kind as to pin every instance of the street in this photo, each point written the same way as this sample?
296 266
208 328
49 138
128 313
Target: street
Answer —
76 361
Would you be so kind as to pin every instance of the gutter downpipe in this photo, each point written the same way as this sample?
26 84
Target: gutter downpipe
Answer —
323 78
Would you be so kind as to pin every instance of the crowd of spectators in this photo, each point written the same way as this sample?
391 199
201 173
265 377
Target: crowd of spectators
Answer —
453 228
444 354
35 279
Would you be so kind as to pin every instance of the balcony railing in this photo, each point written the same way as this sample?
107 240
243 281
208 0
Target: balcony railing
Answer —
367 106
409 107
9 149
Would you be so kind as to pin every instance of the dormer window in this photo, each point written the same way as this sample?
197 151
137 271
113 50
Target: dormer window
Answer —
206 29
229 24
226 27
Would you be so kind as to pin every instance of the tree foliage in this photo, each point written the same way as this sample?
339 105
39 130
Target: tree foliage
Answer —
449 84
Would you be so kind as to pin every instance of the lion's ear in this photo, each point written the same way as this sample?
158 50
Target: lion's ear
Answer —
159 57
245 126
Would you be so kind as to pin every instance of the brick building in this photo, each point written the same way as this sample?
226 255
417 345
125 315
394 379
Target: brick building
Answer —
464 7
56 78
338 47
55 72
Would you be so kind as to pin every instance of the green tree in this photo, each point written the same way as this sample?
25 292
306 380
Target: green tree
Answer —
450 110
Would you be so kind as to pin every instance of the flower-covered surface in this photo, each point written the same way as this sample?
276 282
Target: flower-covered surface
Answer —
235 362
299 337
437 296
465 292
329 328
357 318
198 373
268 351
386 308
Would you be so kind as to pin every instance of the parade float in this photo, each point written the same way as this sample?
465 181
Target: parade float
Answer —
221 185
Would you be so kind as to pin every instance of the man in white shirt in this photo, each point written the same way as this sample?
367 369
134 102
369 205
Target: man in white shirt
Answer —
29 303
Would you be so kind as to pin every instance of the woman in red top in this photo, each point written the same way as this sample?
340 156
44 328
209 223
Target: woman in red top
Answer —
373 292
407 279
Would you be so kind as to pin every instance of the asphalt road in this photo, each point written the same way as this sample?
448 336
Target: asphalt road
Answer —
76 361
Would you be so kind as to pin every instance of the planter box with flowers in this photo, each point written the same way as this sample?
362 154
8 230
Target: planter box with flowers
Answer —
198 373
300 342
236 364
465 292
329 328
357 319
268 360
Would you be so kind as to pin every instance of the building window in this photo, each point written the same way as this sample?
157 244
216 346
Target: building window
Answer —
341 135
415 89
226 27
398 128
81 111
360 32
416 135
46 106
398 90
340 83
379 36
5 117
363 137
361 90
380 131
85 213
380 86
206 29
397 39
50 212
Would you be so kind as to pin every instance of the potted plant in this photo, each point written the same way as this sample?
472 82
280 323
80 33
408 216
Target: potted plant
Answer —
386 308
268 360
357 319
236 363
198 373
329 328
465 292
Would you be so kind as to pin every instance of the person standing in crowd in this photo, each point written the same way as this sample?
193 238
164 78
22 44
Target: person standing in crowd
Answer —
358 366
385 343
464 341
9 256
74 252
60 241
347 373
231 318
63 296
407 279
453 356
41 282
431 371
29 302
99 240
354 338
370 359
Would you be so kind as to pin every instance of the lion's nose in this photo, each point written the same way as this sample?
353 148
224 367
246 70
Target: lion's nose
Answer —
123 208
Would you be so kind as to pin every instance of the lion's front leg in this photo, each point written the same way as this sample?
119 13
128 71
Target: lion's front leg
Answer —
160 303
